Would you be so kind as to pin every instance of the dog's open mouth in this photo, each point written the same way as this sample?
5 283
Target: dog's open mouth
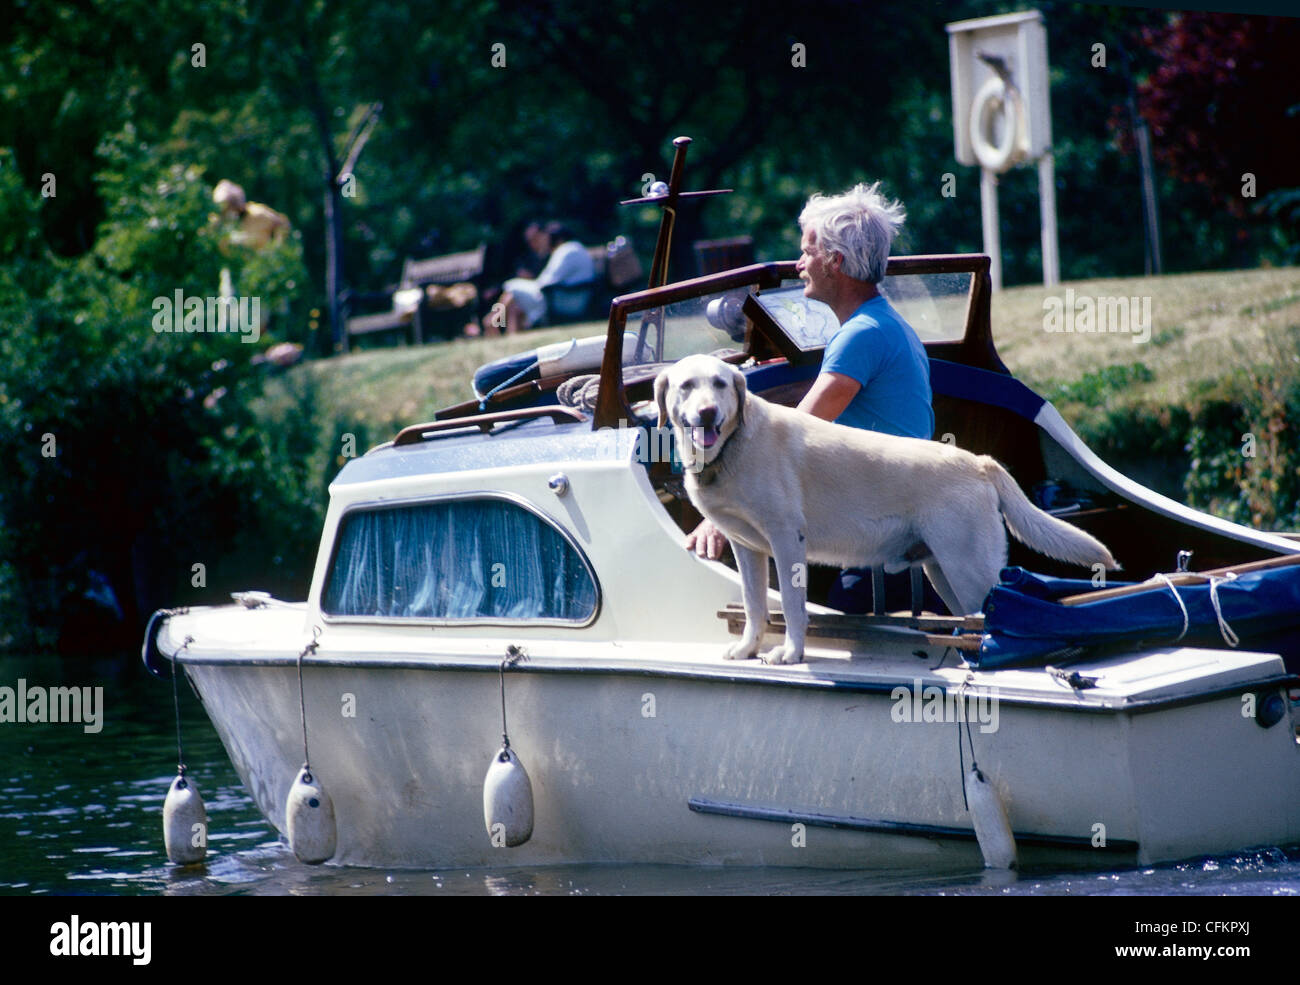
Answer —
704 437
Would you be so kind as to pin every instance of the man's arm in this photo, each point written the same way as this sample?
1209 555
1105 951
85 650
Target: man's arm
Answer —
830 394
568 264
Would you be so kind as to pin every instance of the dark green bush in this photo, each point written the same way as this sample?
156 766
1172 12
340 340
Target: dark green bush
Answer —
132 455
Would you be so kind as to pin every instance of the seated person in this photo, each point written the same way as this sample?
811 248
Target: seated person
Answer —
568 268
874 373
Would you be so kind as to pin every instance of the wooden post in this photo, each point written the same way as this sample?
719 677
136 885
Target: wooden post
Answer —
1047 219
989 216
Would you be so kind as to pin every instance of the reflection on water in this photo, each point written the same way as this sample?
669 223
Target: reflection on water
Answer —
82 814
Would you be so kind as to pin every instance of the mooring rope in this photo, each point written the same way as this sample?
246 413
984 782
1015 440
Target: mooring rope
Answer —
514 654
176 707
961 759
1225 630
1179 599
302 700
580 392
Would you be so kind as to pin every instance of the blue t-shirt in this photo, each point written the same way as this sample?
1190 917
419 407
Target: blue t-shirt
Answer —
880 350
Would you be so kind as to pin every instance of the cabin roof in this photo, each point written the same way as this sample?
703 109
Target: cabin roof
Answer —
531 442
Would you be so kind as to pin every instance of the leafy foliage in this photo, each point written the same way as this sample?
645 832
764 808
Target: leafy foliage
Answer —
1220 97
1245 454
133 454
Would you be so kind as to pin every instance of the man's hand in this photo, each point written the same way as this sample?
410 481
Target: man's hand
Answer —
706 540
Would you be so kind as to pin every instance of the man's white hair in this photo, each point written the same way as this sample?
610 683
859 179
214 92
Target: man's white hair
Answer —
860 225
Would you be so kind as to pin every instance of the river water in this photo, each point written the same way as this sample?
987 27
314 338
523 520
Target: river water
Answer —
81 813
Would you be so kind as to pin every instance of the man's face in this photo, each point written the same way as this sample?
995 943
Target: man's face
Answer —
815 269
538 240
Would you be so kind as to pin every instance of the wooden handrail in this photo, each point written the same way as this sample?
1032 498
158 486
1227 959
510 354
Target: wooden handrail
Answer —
1182 578
762 274
414 433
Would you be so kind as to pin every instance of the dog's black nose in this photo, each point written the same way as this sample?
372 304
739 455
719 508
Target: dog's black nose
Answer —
708 416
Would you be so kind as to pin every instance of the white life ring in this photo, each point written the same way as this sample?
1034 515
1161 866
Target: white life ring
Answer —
995 97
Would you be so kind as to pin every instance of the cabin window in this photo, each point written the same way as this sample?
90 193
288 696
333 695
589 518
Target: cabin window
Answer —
457 559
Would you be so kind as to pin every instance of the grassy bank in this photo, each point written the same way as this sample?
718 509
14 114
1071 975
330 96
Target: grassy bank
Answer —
1201 410
1207 332
1222 361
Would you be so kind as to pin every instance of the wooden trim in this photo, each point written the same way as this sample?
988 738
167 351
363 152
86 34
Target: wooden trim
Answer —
1182 578
840 625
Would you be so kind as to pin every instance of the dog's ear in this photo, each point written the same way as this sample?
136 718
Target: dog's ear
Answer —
661 392
742 391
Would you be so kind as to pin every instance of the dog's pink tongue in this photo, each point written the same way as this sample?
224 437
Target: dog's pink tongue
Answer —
706 437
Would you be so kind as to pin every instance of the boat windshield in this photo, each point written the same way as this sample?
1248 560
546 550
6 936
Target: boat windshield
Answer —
765 314
934 305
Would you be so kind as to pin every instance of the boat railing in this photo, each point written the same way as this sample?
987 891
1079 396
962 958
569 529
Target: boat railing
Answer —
415 433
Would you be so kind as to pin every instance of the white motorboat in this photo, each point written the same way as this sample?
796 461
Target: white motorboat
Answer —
526 549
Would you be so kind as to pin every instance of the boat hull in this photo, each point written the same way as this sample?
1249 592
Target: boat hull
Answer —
720 768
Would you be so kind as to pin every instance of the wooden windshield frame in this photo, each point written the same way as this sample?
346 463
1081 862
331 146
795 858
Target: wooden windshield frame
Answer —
975 348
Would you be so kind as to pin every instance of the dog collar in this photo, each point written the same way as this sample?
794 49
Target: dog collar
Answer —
708 474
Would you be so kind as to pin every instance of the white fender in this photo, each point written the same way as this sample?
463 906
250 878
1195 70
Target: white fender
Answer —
507 800
992 829
185 823
994 96
309 819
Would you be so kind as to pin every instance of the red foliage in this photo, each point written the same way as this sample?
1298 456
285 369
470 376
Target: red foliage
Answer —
1219 103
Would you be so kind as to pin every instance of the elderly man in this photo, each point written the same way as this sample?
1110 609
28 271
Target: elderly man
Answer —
874 373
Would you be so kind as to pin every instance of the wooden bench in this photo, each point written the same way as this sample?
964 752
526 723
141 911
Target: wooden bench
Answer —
617 269
424 320
453 268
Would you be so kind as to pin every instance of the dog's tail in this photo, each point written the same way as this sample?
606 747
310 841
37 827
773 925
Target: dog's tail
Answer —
1042 531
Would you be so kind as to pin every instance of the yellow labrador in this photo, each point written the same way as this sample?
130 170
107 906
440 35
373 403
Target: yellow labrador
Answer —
782 483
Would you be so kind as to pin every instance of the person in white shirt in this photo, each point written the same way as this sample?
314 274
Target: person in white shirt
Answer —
568 267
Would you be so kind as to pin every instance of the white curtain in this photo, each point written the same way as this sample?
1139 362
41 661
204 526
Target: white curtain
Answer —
464 559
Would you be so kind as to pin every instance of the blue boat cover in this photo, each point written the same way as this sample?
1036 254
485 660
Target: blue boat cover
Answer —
1025 624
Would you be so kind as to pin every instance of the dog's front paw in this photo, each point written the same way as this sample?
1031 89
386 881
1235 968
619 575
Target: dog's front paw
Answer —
785 653
741 650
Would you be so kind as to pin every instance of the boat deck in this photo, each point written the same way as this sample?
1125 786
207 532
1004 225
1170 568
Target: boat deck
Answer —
850 653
